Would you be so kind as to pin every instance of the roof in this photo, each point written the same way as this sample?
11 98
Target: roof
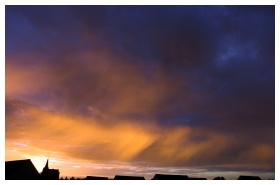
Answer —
50 174
170 177
21 170
196 178
96 178
53 171
243 177
122 177
219 178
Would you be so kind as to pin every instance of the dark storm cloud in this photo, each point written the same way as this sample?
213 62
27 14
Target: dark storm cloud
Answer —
199 67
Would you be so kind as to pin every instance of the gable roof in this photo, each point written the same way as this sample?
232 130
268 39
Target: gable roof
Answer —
170 177
123 177
21 170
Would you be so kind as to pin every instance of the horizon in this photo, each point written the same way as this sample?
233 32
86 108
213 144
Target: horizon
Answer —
230 176
142 89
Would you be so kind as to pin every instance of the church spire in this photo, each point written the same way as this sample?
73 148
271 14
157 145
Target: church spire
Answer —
47 164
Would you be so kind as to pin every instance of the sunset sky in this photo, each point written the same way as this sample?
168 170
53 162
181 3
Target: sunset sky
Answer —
139 90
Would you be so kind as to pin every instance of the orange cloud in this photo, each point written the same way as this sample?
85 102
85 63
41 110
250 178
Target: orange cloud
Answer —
107 90
23 81
88 139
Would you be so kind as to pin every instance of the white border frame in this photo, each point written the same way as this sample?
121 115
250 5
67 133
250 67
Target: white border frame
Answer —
138 2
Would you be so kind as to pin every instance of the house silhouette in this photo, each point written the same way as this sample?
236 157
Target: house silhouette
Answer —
196 178
49 174
122 177
169 177
244 177
95 178
21 170
219 178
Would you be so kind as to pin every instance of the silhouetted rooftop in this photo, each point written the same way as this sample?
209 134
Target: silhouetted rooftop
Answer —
170 177
21 170
49 174
196 178
96 178
243 177
219 178
122 177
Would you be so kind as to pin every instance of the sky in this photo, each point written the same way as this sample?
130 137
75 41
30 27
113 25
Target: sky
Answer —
139 90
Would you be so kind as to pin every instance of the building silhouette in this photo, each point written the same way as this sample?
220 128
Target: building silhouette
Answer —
244 177
196 178
170 177
96 178
219 178
49 174
122 177
25 170
21 170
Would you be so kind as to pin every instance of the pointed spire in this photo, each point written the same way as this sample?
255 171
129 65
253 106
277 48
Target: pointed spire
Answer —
47 164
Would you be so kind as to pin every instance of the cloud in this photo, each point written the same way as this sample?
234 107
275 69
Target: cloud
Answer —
161 84
88 139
